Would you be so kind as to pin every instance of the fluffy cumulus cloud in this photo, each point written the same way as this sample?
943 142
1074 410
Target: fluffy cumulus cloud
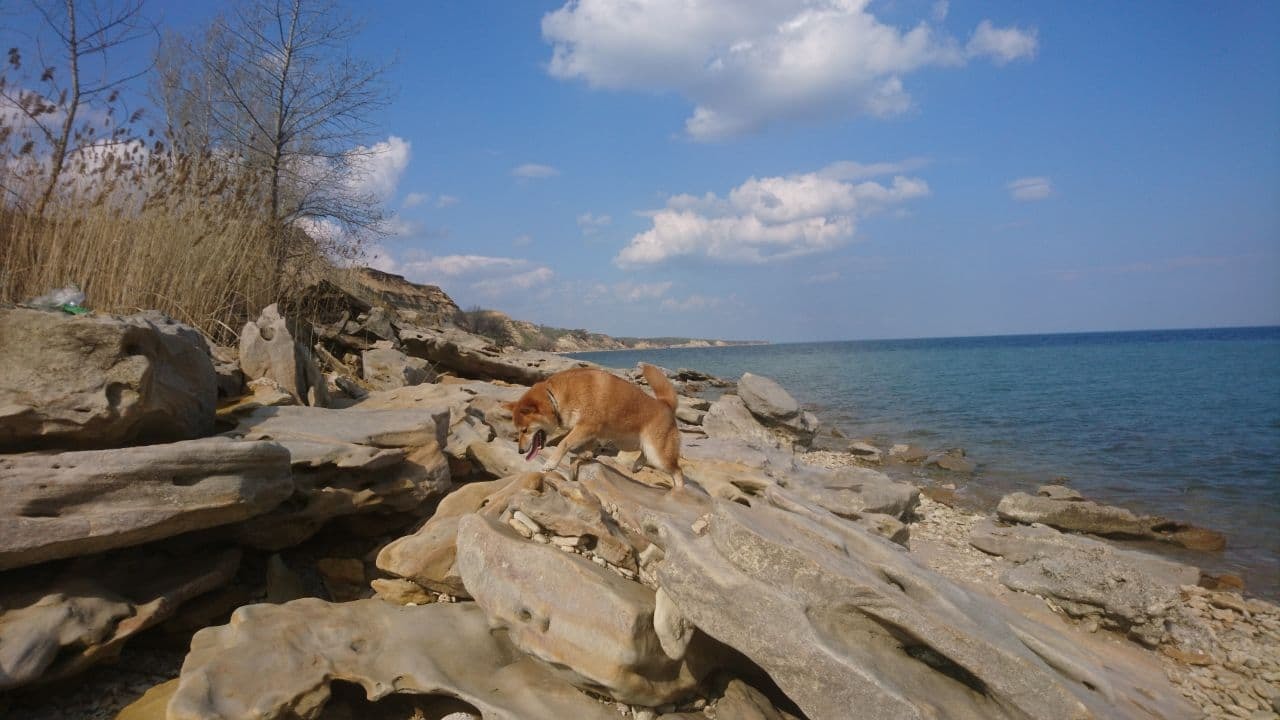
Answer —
1029 189
377 168
745 64
534 171
445 201
772 218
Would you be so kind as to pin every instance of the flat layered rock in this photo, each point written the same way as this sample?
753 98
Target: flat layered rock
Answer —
95 381
347 462
474 357
1071 512
277 662
58 505
593 625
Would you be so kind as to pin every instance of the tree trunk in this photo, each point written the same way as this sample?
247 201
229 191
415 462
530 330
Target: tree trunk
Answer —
60 144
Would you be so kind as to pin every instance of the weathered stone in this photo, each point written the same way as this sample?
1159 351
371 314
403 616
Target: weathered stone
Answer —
269 348
865 451
1088 582
53 626
1021 543
346 462
840 619
385 368
401 592
728 418
73 503
849 491
94 381
1059 492
1090 517
276 662
427 557
474 357
600 635
766 399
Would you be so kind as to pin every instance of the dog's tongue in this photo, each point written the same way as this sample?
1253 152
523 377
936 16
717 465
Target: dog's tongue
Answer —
536 448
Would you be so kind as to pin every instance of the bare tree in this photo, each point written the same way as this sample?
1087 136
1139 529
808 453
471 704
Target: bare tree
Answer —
84 33
281 93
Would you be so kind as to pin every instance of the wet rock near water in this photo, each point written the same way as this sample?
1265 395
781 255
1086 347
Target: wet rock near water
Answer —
1067 510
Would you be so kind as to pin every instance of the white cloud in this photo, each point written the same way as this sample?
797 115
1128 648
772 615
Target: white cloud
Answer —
1030 188
456 265
745 64
1002 45
522 240
415 199
519 281
767 219
377 169
531 171
591 224
445 201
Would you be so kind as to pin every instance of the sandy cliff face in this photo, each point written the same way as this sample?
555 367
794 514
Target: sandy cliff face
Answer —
425 303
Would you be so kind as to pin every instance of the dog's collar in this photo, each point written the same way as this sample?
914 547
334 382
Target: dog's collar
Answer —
555 407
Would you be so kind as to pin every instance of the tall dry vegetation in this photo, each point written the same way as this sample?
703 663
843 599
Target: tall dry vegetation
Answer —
208 233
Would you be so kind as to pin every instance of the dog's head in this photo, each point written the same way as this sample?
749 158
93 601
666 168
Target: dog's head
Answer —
534 417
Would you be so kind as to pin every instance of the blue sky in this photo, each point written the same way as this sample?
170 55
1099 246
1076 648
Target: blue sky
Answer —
793 170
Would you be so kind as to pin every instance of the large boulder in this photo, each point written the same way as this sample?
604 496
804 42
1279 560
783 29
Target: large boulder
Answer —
269 347
276 662
56 623
775 407
58 505
347 462
94 381
1067 511
594 625
728 418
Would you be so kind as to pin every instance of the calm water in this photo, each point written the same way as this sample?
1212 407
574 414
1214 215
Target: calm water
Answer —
1184 423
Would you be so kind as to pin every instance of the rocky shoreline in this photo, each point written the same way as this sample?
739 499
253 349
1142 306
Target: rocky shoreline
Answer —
333 521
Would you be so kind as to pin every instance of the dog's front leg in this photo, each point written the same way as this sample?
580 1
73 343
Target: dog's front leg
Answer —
577 437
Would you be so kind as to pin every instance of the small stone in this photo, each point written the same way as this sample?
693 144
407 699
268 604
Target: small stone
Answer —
525 520
520 527
541 538
699 526
567 541
645 714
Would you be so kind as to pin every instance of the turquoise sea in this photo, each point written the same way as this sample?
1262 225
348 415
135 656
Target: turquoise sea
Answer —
1183 423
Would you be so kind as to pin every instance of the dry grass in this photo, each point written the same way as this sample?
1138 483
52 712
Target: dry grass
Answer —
139 230
184 240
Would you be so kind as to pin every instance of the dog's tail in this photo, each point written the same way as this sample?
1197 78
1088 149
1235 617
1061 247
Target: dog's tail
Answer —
662 387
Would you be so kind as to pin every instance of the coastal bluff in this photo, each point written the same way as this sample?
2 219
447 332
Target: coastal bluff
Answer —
331 520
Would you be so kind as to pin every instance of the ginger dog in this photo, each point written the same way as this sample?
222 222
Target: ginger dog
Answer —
595 406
